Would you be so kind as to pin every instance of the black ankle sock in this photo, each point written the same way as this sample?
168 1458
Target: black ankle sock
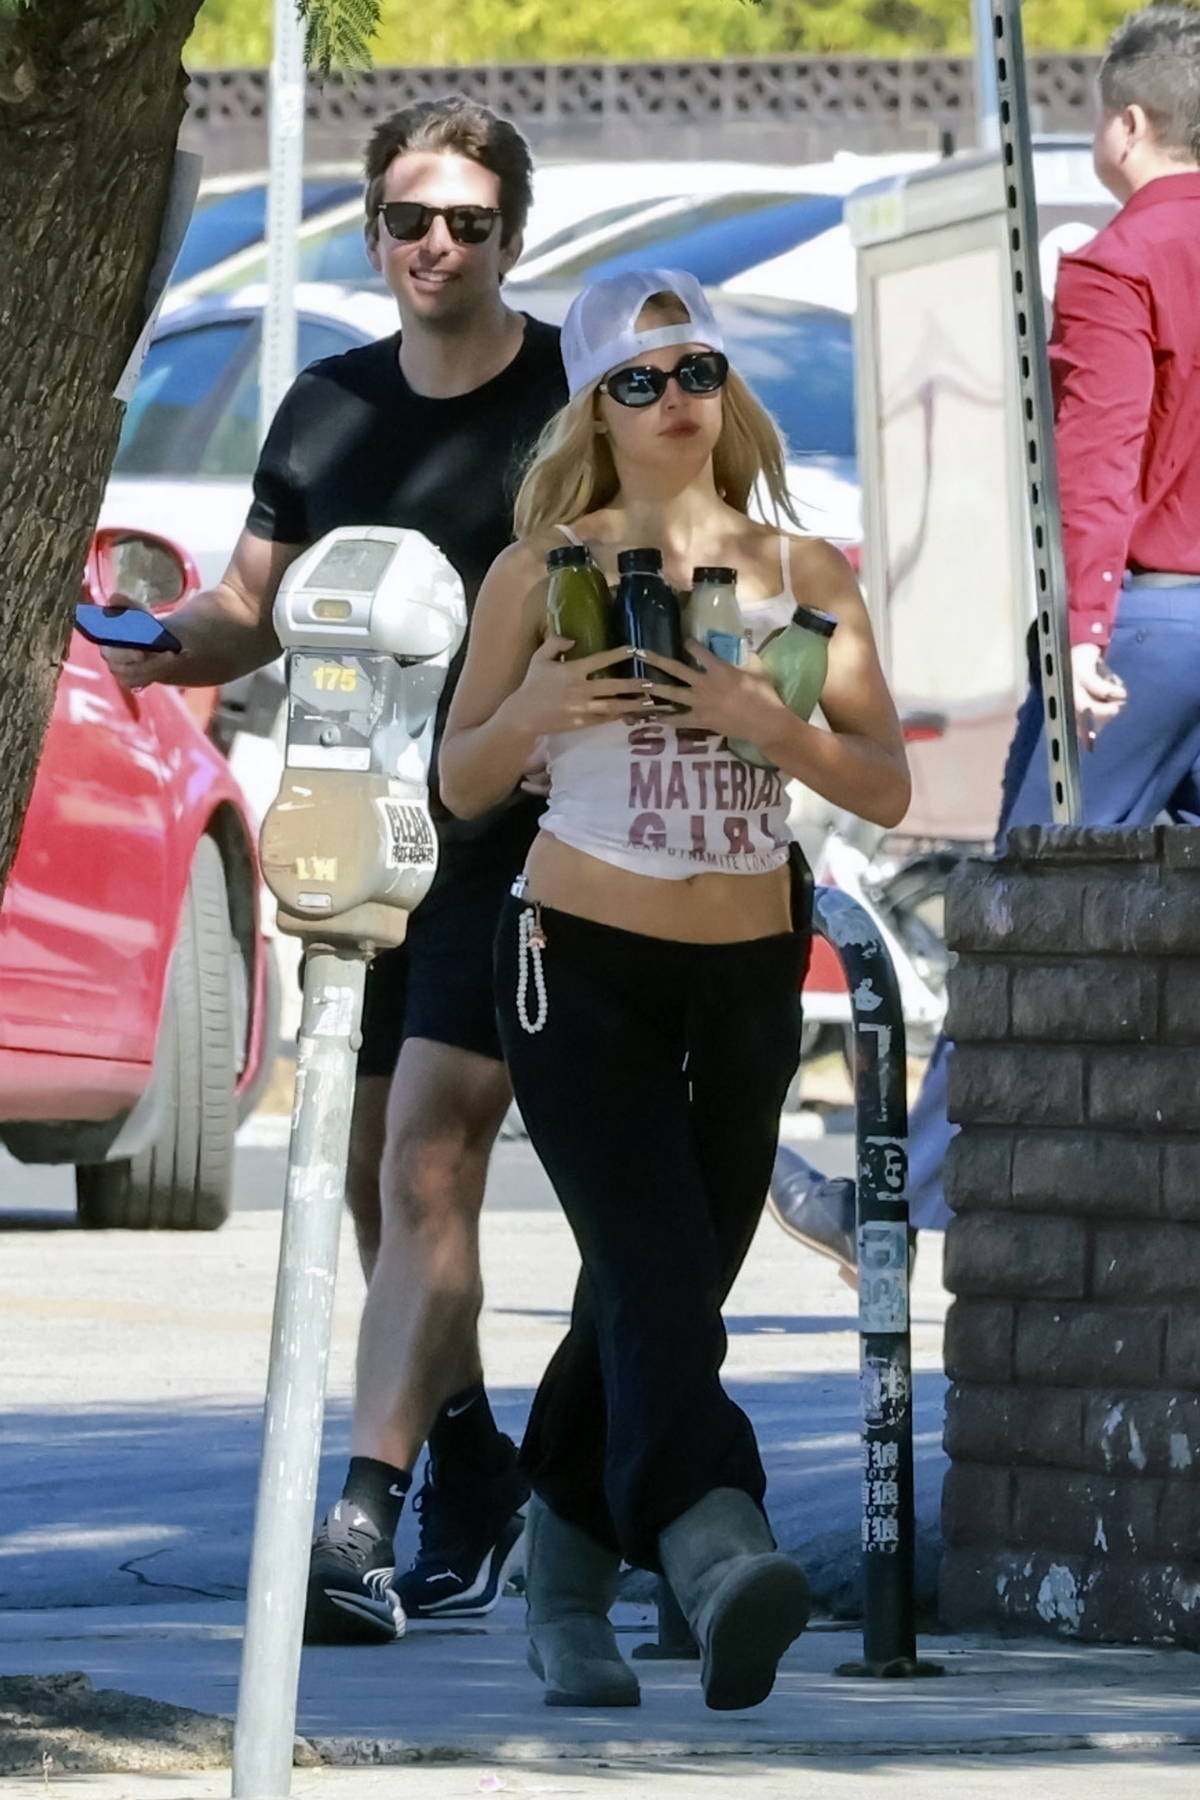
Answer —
465 1431
379 1490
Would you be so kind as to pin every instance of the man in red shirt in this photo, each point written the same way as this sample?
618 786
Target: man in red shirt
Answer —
1125 362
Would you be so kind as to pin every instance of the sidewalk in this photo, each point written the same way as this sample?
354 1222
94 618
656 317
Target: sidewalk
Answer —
463 1698
130 1479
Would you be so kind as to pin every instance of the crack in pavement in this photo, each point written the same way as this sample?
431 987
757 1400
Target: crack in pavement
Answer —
180 1587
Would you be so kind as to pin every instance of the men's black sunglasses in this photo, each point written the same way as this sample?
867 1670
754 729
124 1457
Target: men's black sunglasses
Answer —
408 221
699 372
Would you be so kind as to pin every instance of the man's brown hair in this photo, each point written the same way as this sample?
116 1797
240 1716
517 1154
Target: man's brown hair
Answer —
1153 61
454 126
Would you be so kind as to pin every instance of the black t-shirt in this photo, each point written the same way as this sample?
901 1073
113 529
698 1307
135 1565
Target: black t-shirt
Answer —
352 444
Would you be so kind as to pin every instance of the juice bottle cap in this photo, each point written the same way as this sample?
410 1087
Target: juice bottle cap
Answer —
726 577
568 556
640 562
822 622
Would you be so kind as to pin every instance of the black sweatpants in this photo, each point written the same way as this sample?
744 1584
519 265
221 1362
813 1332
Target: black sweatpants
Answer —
652 1096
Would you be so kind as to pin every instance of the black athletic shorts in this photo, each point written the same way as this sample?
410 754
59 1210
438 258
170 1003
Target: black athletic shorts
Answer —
438 983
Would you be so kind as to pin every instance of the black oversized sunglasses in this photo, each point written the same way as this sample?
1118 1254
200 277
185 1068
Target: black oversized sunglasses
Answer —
699 372
408 221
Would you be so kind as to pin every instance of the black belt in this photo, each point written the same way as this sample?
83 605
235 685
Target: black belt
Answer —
1161 578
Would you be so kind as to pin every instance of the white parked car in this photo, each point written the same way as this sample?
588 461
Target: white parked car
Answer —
190 437
579 209
822 270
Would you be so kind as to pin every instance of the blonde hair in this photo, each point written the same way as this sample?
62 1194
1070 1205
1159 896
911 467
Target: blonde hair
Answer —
571 471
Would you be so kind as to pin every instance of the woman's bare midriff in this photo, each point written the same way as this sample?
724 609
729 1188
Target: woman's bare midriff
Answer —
700 909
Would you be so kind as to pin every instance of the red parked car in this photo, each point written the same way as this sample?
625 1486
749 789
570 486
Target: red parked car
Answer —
135 989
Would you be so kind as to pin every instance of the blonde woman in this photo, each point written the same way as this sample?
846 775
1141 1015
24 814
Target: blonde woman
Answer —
648 967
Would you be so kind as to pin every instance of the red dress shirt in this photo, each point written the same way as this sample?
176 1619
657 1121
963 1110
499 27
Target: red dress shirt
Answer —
1125 362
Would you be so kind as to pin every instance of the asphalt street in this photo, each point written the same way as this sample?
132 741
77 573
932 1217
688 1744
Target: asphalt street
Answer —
135 1366
43 1199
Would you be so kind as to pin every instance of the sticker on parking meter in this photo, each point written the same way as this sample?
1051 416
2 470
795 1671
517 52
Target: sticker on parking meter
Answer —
882 1283
408 835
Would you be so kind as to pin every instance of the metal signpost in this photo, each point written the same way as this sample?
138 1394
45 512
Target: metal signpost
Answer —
1037 411
371 617
885 1363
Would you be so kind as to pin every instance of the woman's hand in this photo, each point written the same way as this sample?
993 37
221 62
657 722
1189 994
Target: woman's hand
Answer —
566 696
735 702
535 776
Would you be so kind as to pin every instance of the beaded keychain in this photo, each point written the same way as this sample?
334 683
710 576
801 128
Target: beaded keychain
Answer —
531 941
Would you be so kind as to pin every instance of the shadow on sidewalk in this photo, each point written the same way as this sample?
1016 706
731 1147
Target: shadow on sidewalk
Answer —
108 1506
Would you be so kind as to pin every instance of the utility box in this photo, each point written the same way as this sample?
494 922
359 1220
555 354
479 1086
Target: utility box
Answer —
946 543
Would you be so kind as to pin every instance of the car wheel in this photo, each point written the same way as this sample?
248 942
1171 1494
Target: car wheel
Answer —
183 1180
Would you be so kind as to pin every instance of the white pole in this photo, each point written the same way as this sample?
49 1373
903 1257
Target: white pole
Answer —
265 1728
277 368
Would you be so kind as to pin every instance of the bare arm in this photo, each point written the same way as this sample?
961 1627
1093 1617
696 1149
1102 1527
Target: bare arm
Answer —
514 691
225 632
859 763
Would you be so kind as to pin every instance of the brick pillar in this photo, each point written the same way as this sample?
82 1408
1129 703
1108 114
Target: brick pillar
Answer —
1072 1503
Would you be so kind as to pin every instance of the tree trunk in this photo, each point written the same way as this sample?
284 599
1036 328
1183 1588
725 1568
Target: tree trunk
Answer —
90 107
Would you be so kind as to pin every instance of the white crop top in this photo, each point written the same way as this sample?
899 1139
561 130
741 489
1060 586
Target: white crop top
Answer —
671 801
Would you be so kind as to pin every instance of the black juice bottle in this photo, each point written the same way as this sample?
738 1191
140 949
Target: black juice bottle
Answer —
648 615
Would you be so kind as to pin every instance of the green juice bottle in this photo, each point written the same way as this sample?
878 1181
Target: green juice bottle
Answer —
578 604
796 660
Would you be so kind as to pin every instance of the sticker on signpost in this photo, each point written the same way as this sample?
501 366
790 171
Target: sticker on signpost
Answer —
886 1392
882 1276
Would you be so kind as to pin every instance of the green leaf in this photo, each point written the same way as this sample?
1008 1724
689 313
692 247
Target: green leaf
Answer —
338 33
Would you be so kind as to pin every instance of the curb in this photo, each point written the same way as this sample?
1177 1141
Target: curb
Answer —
364 1753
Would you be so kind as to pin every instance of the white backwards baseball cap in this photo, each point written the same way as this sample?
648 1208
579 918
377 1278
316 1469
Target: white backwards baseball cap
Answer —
600 331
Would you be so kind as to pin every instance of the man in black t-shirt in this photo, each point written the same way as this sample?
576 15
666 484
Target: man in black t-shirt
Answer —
427 429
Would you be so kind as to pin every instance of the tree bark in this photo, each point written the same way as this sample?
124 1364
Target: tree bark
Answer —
90 107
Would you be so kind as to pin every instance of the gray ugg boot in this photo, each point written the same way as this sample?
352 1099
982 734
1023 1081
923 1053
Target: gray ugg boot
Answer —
744 1601
570 1583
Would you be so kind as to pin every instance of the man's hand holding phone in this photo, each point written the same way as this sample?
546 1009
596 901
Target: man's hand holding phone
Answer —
138 648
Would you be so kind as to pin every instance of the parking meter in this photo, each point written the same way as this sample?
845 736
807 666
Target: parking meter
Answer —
370 618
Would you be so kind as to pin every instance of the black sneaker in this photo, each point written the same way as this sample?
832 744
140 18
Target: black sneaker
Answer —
351 1596
470 1542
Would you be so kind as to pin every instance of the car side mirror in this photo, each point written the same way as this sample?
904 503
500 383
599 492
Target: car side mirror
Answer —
141 566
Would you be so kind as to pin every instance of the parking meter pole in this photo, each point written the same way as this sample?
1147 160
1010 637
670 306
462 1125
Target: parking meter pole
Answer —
1037 412
295 1407
885 1367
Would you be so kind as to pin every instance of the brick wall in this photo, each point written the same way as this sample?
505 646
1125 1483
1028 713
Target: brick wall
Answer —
1072 1503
